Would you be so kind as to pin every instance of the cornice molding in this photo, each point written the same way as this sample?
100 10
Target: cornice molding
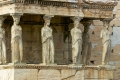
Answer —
109 6
66 67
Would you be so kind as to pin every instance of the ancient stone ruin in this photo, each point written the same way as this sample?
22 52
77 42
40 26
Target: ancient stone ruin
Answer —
50 39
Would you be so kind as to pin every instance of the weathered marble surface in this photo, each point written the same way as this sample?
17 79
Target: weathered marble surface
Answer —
76 35
105 36
47 42
16 40
3 58
53 10
45 74
18 74
62 72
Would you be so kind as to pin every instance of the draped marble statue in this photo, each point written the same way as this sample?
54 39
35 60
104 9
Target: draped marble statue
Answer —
47 42
86 48
105 36
2 43
16 40
76 41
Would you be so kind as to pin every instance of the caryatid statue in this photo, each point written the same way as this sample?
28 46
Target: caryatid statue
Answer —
76 41
16 40
105 36
86 44
2 42
47 42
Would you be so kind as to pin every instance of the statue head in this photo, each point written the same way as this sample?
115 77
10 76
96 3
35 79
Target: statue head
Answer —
47 19
106 24
16 18
1 20
86 26
47 23
76 20
76 23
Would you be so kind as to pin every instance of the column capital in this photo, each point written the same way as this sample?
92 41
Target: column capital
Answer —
47 17
106 21
2 18
16 14
76 18
16 17
87 23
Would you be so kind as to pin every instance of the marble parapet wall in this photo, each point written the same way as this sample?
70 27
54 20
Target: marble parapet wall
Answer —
58 72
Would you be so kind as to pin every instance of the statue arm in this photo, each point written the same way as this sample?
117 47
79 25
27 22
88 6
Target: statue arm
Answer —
4 36
20 33
12 35
101 34
73 41
43 36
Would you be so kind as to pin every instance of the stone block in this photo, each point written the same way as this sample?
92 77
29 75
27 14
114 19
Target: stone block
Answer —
68 74
91 74
18 74
45 74
54 72
98 74
104 74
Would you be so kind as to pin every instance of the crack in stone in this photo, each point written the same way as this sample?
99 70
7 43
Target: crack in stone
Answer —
70 76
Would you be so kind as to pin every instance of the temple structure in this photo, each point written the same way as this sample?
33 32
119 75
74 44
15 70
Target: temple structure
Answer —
41 39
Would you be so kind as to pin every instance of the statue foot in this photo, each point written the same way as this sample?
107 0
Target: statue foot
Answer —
17 63
52 64
43 63
103 63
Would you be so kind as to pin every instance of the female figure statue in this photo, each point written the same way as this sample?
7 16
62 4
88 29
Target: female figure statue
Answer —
16 41
76 42
2 43
105 36
47 42
85 44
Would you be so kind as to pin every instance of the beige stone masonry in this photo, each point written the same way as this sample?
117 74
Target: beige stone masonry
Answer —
57 72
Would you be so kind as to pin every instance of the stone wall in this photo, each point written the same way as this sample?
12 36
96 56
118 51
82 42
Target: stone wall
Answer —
96 27
56 72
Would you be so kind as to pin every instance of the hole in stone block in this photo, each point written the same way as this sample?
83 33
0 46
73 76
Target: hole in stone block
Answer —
93 33
93 62
112 51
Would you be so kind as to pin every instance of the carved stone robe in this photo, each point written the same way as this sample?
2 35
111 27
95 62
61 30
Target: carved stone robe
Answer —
16 43
85 47
2 46
105 35
47 45
76 45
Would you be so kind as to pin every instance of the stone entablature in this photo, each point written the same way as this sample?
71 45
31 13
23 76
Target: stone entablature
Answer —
93 10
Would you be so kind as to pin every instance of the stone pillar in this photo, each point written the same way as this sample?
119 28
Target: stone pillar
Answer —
76 41
86 47
47 42
105 36
3 59
16 40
